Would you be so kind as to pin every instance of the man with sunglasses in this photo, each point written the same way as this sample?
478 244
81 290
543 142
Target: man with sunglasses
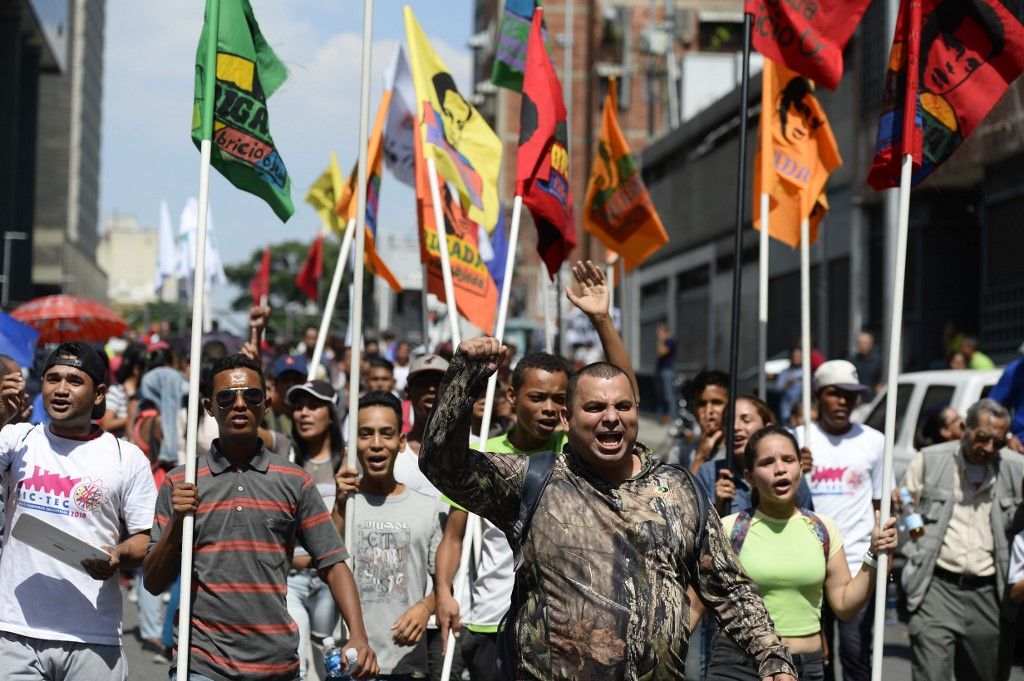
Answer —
955 579
251 507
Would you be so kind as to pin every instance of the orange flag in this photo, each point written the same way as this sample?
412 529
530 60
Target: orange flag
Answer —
346 205
796 154
476 295
617 209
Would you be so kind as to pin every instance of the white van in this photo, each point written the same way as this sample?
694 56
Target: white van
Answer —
917 394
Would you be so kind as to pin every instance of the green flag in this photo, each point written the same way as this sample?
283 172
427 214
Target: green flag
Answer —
510 55
248 72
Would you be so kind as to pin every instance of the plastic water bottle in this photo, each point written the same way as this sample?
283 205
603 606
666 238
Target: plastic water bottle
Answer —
337 668
911 518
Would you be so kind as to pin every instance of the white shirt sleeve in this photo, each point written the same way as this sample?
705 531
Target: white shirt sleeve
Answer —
1016 560
138 499
10 437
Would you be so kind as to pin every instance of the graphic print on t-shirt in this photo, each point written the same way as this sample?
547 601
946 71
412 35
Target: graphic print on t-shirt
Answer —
43 490
383 556
836 480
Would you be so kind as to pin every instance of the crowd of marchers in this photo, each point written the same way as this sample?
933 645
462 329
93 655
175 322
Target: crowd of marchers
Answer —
593 557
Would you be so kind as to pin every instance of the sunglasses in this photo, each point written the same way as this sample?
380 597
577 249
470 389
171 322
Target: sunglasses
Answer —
253 397
985 438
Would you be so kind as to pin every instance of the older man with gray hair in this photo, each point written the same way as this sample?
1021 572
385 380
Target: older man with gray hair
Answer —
955 578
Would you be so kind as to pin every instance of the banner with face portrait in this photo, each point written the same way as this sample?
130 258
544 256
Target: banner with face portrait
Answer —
465 149
951 61
796 155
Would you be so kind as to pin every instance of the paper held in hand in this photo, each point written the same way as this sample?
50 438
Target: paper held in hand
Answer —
55 542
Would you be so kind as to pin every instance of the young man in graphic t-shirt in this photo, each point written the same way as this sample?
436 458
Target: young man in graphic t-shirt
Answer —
59 621
397 530
846 485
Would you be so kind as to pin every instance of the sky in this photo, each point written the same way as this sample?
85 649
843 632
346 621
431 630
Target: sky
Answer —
147 154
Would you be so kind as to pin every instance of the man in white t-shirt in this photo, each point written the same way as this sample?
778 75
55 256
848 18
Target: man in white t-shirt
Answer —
846 485
59 621
425 375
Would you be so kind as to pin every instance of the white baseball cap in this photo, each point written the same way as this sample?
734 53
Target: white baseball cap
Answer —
841 374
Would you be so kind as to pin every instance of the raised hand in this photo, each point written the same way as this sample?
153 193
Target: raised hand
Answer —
589 292
484 350
12 396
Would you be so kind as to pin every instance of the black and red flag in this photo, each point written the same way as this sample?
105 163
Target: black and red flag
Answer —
260 285
951 61
542 166
806 37
312 268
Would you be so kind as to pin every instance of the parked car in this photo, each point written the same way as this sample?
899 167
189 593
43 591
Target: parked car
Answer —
916 395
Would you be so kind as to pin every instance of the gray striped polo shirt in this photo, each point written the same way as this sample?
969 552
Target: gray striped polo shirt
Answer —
249 520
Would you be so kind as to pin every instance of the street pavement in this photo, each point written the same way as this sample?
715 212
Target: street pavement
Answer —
896 665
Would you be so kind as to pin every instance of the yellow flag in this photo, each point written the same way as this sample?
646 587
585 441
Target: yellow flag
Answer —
322 194
467 152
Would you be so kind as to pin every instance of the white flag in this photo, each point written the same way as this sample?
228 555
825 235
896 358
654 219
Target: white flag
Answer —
166 255
186 247
399 153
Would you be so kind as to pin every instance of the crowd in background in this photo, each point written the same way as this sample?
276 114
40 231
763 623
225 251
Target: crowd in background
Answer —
808 497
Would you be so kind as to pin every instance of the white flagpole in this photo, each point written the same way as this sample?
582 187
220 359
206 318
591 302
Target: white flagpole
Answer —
356 323
473 522
198 294
332 299
805 327
892 378
549 313
442 247
762 300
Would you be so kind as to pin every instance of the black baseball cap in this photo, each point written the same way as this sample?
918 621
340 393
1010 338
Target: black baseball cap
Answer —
86 359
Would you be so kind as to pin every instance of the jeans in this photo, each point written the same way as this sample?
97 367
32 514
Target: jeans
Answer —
729 663
667 392
311 605
854 643
151 620
435 659
171 616
480 655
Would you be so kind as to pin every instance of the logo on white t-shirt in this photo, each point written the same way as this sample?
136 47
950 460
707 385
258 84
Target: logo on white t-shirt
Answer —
836 480
61 494
89 495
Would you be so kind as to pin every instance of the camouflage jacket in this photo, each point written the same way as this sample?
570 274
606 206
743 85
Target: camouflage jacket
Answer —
606 565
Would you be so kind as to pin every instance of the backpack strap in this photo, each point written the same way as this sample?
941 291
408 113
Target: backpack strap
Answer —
739 531
820 531
538 473
703 505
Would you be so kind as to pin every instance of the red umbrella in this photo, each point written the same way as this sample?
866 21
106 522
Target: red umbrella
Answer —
67 318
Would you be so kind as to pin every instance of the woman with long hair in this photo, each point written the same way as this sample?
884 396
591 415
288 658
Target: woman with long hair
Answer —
795 557
121 394
319 450
726 488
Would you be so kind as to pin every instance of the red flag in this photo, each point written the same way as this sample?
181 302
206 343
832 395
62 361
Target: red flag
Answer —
951 61
260 285
806 37
542 167
312 268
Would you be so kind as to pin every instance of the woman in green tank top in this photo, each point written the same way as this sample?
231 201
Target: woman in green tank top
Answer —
795 557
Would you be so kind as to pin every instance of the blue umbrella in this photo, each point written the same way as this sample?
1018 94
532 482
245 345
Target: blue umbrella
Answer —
17 340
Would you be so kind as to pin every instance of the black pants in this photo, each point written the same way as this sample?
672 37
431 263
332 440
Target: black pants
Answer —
435 658
854 643
480 655
729 663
